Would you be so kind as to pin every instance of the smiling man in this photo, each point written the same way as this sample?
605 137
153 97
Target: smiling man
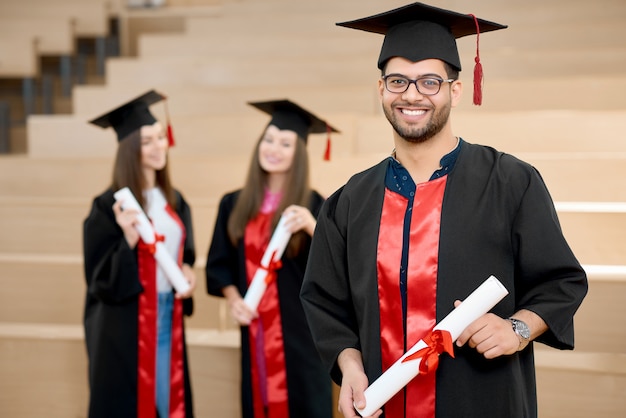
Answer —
400 244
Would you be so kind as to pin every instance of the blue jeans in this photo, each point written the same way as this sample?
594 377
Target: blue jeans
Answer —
164 342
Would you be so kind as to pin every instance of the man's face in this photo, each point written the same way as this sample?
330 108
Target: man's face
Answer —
414 116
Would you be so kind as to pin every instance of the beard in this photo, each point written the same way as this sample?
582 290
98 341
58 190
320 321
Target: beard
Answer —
409 133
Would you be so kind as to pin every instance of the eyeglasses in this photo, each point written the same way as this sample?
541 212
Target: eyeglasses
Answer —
427 86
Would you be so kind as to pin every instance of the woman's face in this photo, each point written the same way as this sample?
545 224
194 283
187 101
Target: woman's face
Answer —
154 145
277 149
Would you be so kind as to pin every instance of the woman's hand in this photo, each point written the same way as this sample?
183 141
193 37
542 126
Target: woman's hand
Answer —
240 312
190 275
299 218
127 219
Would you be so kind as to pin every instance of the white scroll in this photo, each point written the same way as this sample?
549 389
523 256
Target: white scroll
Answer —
478 303
273 254
148 235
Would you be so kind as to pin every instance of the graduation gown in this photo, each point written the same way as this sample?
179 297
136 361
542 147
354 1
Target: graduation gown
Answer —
497 218
111 311
308 384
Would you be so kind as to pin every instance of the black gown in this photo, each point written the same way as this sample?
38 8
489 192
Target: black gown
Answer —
111 311
497 219
308 383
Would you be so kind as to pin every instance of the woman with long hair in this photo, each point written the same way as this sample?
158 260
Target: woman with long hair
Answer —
134 326
281 372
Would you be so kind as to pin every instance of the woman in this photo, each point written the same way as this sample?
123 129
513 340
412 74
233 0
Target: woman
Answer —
281 372
134 328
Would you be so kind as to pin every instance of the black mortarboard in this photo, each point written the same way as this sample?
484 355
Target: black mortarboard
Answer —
132 115
288 115
419 31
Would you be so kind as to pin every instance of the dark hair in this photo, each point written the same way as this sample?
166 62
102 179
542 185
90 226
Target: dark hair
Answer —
297 191
127 171
452 72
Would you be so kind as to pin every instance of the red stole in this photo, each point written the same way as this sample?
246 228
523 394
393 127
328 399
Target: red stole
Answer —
147 333
417 400
267 355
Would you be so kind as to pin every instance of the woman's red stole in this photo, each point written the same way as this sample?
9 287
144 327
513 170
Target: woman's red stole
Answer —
147 335
269 376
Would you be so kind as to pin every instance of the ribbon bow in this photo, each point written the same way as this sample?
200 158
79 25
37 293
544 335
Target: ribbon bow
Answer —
271 268
437 342
152 246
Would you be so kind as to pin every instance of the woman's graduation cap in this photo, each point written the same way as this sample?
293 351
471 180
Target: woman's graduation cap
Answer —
419 31
290 116
132 115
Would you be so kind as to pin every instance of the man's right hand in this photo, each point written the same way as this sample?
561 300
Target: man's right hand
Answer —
353 384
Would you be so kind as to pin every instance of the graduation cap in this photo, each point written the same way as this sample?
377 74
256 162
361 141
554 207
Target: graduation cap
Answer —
419 31
287 115
132 115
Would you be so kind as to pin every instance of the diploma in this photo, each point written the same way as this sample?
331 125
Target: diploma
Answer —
149 236
269 264
423 356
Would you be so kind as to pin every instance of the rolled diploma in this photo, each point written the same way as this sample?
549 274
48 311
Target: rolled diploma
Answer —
147 233
478 303
276 247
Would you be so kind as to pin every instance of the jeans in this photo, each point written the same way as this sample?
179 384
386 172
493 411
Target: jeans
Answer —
164 342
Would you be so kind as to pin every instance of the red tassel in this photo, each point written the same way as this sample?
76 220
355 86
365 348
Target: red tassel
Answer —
170 135
327 152
478 82
478 69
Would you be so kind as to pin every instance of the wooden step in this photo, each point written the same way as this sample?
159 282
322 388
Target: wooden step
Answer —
234 30
531 10
580 384
573 384
54 286
53 36
361 99
48 363
19 58
599 320
89 17
563 132
230 101
569 176
317 70
55 227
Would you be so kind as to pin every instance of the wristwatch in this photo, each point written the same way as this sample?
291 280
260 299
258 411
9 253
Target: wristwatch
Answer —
522 331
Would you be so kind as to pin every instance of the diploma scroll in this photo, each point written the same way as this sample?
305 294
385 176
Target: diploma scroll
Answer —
269 262
478 303
148 235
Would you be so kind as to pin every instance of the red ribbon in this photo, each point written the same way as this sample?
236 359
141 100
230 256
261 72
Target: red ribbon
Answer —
437 342
271 268
152 247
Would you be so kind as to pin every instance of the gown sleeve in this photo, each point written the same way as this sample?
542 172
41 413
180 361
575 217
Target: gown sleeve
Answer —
184 212
325 293
189 249
222 260
110 264
552 282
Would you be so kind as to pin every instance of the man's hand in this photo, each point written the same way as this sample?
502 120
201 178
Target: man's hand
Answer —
353 384
493 336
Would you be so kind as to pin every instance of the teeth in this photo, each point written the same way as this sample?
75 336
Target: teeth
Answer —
413 112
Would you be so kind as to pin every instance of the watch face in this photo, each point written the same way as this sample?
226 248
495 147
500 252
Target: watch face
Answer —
521 328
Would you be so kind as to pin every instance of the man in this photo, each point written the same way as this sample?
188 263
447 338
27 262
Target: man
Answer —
402 243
